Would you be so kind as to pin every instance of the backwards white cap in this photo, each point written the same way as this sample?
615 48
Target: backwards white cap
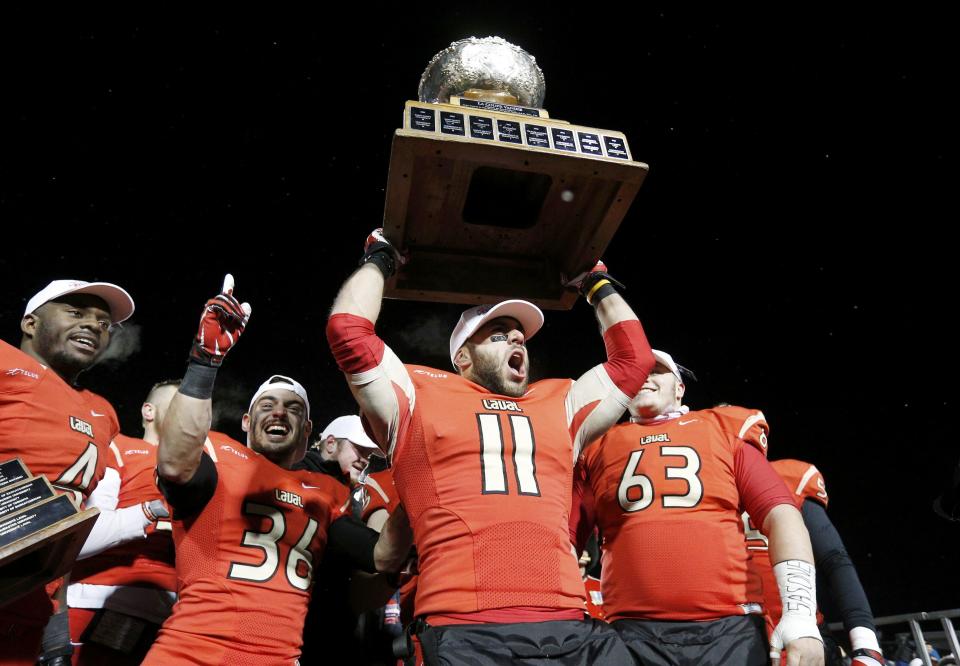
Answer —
528 314
349 427
118 300
667 360
282 382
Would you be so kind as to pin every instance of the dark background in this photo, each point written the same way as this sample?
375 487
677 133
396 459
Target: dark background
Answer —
790 244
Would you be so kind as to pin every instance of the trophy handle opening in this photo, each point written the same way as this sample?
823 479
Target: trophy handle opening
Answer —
505 198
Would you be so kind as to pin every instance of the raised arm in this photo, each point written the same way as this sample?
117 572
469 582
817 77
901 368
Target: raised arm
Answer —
375 375
187 422
599 397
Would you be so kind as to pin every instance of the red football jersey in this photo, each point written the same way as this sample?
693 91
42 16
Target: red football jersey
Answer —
244 563
57 430
668 508
142 562
486 481
805 482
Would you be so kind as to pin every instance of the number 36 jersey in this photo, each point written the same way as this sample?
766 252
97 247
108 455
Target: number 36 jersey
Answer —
245 561
668 508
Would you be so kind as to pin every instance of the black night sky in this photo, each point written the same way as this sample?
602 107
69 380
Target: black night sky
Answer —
790 244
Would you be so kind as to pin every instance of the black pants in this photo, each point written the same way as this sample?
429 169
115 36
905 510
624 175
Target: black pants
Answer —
556 643
739 640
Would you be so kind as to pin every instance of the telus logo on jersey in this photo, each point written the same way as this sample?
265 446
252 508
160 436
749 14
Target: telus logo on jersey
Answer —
81 426
13 372
434 375
288 497
227 447
650 439
501 405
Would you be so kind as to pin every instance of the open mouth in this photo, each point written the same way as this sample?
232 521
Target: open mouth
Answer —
515 363
86 342
277 429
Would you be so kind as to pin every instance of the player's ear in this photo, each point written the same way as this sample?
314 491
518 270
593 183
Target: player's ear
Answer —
681 389
245 423
28 324
462 359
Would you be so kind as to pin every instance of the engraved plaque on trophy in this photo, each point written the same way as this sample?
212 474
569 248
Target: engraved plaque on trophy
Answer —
41 532
491 197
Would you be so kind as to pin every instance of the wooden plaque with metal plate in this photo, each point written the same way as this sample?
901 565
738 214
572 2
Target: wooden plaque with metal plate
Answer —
41 532
489 196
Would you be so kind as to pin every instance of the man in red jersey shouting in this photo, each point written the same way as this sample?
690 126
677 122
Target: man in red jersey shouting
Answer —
483 464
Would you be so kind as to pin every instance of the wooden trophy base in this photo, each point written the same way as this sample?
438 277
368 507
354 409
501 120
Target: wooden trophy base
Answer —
492 204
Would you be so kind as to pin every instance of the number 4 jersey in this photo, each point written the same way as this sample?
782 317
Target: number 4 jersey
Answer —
245 561
668 497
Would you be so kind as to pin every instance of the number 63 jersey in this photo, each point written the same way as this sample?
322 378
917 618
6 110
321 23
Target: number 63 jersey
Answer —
245 561
668 507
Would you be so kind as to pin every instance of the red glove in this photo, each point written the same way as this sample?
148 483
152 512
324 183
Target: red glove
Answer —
596 282
378 250
155 509
221 325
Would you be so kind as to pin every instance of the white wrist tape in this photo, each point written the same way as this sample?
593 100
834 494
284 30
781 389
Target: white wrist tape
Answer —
797 581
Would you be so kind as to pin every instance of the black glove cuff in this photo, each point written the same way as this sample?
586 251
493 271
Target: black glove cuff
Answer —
198 381
597 286
867 652
381 255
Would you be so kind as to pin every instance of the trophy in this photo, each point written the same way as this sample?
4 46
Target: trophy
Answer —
489 196
41 532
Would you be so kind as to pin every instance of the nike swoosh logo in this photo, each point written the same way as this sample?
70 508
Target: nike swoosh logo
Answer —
93 413
310 487
688 422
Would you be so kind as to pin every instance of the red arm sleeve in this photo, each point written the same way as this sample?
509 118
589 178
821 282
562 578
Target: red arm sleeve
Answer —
629 359
761 488
354 343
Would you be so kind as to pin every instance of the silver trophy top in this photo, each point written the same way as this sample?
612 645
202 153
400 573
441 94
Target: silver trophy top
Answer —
487 63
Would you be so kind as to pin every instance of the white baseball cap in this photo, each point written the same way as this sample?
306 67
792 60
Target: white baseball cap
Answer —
528 314
118 300
667 360
282 382
349 427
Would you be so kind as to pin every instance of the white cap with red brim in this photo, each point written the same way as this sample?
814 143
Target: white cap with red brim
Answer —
527 314
117 299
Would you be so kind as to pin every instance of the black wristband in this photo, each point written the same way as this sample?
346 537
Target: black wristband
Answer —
601 293
198 381
381 255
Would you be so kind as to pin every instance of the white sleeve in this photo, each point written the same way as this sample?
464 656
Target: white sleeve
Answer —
387 398
594 405
114 526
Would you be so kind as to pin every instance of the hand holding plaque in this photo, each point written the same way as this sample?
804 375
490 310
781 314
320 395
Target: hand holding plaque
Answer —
41 532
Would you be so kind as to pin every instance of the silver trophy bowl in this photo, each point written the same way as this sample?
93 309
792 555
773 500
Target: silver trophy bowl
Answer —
487 63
